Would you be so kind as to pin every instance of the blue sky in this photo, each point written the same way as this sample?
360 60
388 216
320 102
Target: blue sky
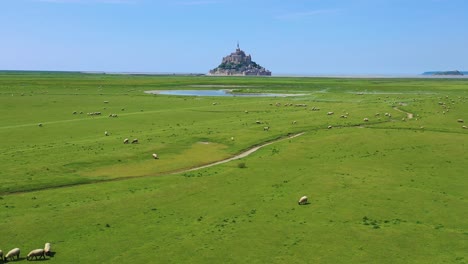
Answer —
191 36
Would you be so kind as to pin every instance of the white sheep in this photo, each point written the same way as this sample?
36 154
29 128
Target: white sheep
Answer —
106 133
47 249
366 119
126 141
134 141
330 113
302 200
329 127
460 120
12 253
266 128
1 254
36 253
155 156
294 122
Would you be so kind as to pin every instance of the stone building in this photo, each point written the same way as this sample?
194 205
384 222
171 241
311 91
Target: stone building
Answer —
239 64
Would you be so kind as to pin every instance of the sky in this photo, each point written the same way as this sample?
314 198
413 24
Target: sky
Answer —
314 37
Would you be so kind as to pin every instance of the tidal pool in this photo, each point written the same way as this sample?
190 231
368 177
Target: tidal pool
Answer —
216 93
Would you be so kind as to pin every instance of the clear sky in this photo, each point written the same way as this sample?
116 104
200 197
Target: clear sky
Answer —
192 36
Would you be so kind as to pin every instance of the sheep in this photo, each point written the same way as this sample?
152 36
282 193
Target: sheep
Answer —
40 124
366 119
134 141
258 122
464 127
36 253
126 141
330 113
302 201
1 254
460 120
106 133
155 156
266 128
12 253
232 138
74 112
329 127
343 116
47 249
294 122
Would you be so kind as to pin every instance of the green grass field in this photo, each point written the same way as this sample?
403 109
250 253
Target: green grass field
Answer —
389 190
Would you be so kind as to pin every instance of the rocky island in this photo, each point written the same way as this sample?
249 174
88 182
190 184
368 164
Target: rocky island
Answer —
239 64
456 72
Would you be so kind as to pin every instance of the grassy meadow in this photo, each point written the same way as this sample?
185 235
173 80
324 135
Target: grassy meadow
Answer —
392 189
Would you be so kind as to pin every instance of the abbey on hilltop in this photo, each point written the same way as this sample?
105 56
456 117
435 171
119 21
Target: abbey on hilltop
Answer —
240 64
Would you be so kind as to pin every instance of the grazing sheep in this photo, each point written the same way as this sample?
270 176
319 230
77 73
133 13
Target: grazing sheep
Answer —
329 127
294 122
40 124
330 113
126 141
366 119
232 138
266 128
134 141
12 253
258 122
155 156
464 127
302 201
343 116
74 112
215 103
36 253
460 120
106 133
1 254
47 249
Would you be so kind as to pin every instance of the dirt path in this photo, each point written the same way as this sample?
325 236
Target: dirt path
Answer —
239 156
408 114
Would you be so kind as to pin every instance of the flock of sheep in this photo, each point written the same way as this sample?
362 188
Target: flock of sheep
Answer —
36 253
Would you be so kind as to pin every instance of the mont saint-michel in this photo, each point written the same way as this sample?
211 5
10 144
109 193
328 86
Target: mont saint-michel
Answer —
239 64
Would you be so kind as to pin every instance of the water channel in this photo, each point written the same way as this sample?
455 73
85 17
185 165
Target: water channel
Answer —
216 93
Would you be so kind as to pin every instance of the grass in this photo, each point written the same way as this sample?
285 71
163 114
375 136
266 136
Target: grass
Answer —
382 191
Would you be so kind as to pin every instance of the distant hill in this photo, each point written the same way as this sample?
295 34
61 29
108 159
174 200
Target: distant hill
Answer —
445 73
